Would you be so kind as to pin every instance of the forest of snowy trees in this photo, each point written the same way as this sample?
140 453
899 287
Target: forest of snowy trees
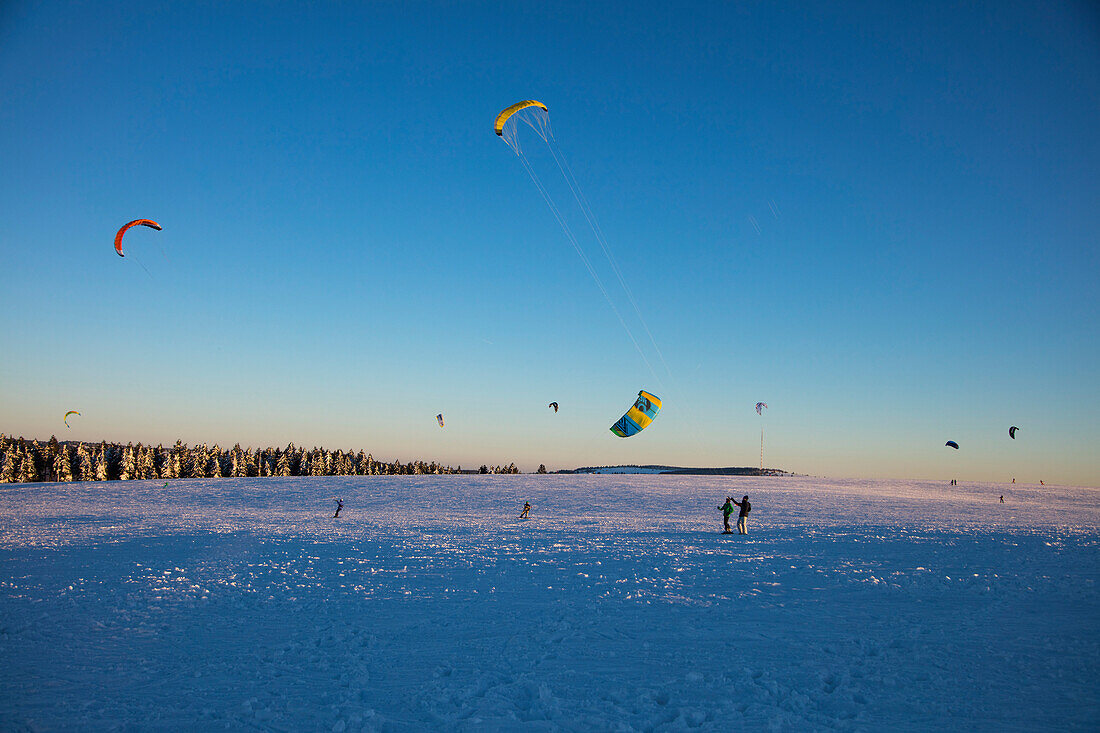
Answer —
23 461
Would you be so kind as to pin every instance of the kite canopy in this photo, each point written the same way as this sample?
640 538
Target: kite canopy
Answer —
951 444
1012 432
554 405
143 222
639 416
66 418
439 419
498 125
761 406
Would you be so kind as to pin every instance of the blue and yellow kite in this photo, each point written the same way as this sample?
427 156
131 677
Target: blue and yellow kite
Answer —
638 417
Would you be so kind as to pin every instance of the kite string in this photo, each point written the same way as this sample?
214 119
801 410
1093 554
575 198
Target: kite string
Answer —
584 258
539 121
582 201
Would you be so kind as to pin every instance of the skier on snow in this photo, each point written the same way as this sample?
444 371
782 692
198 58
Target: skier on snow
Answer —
339 506
526 510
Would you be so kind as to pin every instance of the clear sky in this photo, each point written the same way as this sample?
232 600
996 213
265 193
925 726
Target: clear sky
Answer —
881 219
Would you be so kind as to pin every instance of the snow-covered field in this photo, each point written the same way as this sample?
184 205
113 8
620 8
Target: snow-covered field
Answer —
852 605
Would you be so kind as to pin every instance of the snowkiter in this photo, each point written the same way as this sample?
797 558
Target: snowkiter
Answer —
339 506
743 516
1002 498
727 510
526 510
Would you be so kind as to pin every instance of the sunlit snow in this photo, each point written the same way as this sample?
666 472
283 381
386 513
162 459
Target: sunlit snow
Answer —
851 605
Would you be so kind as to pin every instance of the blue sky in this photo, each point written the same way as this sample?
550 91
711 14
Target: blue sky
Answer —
349 250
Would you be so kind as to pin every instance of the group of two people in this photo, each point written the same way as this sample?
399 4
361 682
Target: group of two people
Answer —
742 517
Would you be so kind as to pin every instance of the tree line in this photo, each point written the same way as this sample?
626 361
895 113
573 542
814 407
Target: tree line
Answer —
23 461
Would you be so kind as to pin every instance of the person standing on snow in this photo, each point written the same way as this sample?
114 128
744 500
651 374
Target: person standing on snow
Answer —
526 510
727 510
743 516
339 506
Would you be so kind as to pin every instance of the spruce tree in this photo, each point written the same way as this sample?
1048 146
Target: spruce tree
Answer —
126 467
100 466
161 463
49 459
214 464
7 466
234 462
36 471
147 467
24 472
62 465
84 470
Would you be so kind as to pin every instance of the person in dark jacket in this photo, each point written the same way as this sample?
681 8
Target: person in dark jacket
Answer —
746 507
727 510
339 506
526 510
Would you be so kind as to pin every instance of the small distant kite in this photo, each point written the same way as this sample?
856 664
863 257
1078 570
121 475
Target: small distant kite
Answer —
639 416
66 418
951 444
1012 432
439 419
760 407
554 405
143 222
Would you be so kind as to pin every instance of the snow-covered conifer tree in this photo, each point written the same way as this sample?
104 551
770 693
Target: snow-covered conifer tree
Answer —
126 465
25 472
62 465
213 463
235 462
82 466
147 466
7 466
99 464
195 466
161 461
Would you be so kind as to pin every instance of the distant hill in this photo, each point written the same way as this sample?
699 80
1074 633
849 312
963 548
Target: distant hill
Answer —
717 471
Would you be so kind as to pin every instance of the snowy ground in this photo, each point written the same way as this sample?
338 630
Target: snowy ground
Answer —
852 605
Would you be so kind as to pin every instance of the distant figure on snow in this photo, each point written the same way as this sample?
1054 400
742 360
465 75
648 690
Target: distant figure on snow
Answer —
339 506
727 510
1013 480
1002 498
743 516
526 510
1041 482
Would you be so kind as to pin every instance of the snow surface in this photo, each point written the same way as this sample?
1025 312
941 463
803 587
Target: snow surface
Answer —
852 605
